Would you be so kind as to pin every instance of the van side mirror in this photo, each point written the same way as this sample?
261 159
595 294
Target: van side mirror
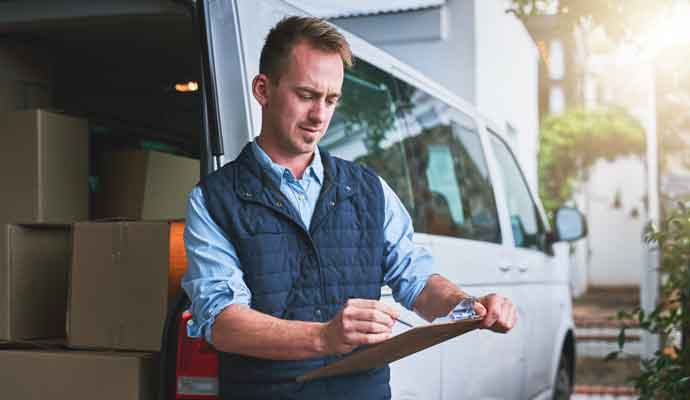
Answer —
570 224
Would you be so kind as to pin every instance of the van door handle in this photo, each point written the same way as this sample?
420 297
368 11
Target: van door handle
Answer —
504 268
523 268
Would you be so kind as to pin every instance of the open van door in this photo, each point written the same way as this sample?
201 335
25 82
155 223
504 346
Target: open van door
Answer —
225 89
227 127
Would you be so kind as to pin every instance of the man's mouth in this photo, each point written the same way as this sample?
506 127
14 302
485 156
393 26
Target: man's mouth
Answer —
310 130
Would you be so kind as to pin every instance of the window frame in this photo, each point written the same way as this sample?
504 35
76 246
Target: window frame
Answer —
542 221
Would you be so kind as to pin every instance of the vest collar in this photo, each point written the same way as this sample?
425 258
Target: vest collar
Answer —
278 172
253 184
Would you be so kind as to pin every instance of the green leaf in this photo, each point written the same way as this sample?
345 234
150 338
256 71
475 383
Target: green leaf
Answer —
612 356
621 338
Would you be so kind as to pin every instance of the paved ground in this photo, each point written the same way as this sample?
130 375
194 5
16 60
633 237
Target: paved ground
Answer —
597 331
604 302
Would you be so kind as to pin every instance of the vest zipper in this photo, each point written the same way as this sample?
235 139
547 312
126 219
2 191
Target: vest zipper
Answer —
327 186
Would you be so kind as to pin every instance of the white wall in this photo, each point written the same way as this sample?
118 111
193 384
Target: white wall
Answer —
617 255
507 78
614 239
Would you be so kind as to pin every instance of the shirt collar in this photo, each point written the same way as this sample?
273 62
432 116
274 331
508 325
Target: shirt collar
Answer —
278 172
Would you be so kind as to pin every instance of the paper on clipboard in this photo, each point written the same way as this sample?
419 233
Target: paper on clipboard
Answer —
393 349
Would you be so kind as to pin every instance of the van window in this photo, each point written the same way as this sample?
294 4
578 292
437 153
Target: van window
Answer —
365 128
451 186
528 229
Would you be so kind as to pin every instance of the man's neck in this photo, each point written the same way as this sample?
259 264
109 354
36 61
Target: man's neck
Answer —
297 164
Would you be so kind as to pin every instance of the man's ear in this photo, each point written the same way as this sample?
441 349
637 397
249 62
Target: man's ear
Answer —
260 88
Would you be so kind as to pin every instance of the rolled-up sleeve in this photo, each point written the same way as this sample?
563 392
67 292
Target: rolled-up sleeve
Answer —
213 280
407 267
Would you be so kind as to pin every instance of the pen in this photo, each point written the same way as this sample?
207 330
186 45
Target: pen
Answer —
404 323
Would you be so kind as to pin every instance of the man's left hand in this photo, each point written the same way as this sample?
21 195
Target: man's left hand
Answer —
500 314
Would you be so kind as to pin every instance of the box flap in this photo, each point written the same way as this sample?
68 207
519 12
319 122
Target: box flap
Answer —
19 132
61 137
39 265
34 260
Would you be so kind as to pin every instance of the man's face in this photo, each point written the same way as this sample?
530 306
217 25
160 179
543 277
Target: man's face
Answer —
298 109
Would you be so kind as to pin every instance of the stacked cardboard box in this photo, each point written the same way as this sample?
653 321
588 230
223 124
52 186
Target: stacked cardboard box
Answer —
144 185
44 180
122 281
76 375
45 167
95 285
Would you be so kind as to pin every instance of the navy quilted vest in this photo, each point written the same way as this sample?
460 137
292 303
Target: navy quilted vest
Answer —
297 272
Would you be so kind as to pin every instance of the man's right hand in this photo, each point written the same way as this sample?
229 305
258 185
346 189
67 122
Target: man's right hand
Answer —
360 322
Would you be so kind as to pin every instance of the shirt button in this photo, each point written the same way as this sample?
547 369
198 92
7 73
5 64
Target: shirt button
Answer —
317 313
279 204
332 203
347 188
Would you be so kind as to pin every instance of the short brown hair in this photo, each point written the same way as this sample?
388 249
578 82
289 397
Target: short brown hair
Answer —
290 31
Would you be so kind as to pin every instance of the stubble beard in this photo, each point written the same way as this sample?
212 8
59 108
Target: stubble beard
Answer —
299 146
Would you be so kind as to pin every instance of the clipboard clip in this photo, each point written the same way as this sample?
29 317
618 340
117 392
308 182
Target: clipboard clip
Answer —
464 310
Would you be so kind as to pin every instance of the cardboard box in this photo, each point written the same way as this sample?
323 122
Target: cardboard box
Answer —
34 263
144 185
76 375
120 277
45 167
26 74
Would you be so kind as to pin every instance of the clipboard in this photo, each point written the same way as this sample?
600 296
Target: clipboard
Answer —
393 349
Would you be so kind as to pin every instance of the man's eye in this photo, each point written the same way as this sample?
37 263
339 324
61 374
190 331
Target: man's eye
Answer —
306 96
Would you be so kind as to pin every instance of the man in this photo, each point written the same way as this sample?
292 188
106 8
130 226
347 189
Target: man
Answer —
288 247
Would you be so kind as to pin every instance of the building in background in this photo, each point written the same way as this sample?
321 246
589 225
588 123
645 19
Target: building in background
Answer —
583 70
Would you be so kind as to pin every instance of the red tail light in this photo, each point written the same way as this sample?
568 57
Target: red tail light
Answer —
196 372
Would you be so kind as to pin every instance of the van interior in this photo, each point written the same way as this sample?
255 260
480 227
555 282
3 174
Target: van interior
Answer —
118 73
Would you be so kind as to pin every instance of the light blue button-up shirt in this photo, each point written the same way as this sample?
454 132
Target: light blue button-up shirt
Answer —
214 279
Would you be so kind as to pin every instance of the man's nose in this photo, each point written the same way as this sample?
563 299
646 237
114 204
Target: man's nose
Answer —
317 112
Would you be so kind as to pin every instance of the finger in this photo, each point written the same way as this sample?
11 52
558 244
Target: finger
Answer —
503 323
374 304
506 321
492 313
479 309
366 327
368 314
490 318
513 317
358 339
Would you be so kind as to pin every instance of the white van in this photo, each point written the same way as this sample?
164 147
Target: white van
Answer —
451 167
